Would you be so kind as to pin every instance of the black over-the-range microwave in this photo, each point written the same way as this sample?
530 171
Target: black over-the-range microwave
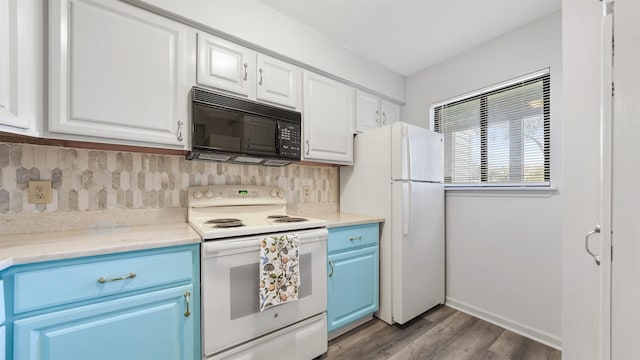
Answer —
231 129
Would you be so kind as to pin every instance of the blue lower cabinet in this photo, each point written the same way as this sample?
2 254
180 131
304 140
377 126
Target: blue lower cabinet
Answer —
126 306
157 325
353 261
3 348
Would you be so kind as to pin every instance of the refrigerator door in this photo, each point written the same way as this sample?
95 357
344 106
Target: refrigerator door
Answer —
416 153
417 248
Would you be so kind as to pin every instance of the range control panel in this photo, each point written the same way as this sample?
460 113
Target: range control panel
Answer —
290 138
226 195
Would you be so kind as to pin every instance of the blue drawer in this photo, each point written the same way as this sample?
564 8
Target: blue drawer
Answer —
352 237
66 284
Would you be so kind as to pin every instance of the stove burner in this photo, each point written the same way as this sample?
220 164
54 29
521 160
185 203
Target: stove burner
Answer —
288 219
277 216
228 225
222 221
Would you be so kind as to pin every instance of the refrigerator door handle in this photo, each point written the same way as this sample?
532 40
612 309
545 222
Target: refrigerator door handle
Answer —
406 149
406 207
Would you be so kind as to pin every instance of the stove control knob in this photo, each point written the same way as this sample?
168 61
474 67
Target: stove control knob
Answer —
273 193
280 194
208 193
197 194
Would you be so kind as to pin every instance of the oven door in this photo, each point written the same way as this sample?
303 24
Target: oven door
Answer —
230 283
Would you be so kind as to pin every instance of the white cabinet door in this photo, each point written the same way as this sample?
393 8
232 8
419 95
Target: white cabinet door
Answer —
21 66
373 111
118 74
225 65
390 112
367 111
327 120
278 82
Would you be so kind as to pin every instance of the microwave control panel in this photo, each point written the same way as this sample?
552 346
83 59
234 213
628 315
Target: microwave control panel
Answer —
290 138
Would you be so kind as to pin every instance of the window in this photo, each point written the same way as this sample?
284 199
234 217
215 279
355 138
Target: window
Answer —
499 136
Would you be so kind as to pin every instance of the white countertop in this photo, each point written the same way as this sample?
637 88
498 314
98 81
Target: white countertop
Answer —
36 247
345 219
46 246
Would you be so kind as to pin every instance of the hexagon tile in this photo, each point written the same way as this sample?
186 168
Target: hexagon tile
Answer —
85 180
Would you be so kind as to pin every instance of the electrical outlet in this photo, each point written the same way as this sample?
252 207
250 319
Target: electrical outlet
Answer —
306 192
39 192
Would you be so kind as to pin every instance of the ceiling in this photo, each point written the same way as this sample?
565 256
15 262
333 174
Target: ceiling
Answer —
407 36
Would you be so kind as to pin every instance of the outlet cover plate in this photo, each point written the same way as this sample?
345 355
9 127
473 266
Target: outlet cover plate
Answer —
39 192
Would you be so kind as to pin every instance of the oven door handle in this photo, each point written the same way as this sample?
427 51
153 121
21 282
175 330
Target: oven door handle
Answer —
218 248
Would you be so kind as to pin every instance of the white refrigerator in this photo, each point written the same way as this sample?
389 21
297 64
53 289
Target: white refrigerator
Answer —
398 175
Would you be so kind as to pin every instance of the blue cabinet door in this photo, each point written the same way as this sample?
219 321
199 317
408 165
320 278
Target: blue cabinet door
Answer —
3 348
352 286
155 325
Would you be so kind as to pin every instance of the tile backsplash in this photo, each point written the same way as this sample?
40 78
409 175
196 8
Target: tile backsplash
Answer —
86 180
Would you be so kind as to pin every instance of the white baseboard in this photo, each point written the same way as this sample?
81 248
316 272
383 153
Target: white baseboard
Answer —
509 324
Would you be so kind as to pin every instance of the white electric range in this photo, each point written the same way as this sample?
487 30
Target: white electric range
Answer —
232 220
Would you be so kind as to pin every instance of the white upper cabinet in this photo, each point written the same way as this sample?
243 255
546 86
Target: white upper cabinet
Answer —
367 111
225 65
119 74
21 57
390 112
328 118
373 111
230 67
278 82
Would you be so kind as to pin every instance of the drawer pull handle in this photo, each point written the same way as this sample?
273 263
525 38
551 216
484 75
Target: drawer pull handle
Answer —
356 238
187 312
130 275
331 264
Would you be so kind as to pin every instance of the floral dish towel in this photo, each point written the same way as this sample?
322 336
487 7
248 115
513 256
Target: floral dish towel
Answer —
279 271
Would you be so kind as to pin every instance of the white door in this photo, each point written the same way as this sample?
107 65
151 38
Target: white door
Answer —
225 65
416 153
21 65
367 111
417 248
327 120
118 72
587 181
626 177
278 82
390 112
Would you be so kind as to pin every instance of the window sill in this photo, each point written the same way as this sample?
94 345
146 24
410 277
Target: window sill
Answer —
501 191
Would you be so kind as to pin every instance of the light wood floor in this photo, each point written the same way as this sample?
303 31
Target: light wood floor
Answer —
440 333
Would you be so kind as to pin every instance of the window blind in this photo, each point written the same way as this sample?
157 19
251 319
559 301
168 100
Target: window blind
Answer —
498 137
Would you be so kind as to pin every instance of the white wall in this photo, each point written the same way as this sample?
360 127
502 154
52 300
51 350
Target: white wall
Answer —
503 250
260 25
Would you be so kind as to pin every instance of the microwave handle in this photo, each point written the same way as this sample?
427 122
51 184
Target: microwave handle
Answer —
278 137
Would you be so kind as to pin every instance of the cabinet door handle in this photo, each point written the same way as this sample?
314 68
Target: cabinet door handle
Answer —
331 272
103 279
260 82
596 230
245 71
377 116
359 237
384 118
180 123
307 141
187 312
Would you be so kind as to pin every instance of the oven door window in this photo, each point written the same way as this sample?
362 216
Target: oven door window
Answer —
233 131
